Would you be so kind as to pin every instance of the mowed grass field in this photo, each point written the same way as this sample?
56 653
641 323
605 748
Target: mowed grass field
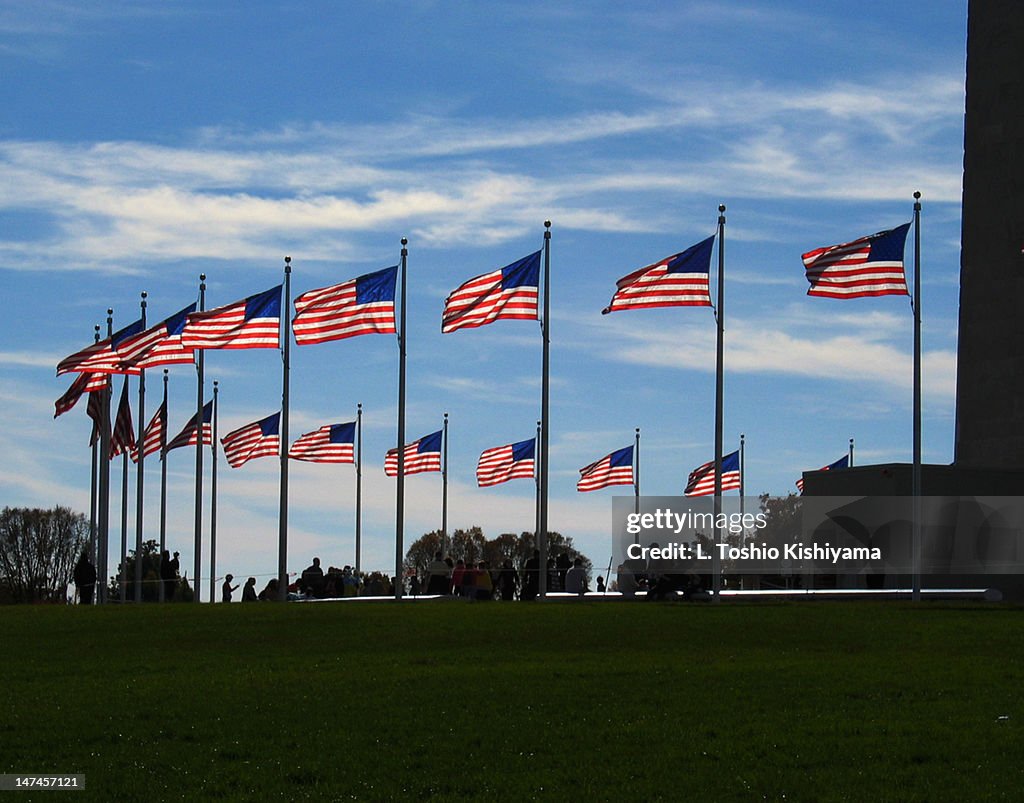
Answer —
580 700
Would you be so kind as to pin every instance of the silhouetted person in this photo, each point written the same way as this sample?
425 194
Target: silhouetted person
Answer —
271 592
312 581
562 566
438 581
576 578
531 577
169 574
227 588
249 591
600 585
508 581
85 579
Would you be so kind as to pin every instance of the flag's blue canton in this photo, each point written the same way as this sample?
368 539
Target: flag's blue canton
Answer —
523 273
888 246
842 462
130 330
730 462
176 323
524 450
269 425
376 287
623 457
264 305
695 259
429 443
344 433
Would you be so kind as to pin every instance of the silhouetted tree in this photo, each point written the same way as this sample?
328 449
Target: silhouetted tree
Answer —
38 551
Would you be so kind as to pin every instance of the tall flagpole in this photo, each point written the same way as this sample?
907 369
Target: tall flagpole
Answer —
536 476
200 369
213 500
123 568
716 579
103 535
400 492
444 488
359 485
163 487
93 554
743 472
849 462
916 478
282 549
545 424
636 476
139 469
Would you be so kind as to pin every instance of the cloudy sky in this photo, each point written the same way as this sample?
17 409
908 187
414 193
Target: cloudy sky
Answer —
143 143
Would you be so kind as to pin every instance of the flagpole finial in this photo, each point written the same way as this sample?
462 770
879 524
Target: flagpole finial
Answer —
405 241
721 207
96 331
166 371
287 264
917 195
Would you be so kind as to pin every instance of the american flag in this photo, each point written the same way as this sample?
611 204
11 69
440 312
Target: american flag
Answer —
842 462
421 455
701 481
680 280
100 357
613 469
84 383
252 323
332 443
361 306
94 409
158 345
187 436
870 266
153 437
122 438
509 292
504 463
258 439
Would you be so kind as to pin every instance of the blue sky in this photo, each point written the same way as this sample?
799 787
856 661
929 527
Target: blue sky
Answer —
144 143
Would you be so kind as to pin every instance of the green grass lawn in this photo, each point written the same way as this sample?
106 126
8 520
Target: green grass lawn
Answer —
592 700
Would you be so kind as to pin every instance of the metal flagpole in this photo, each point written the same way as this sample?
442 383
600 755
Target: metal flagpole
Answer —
139 481
716 580
444 488
93 554
359 484
850 461
400 492
282 549
213 501
536 478
200 371
636 477
163 488
123 568
916 478
103 535
545 423
743 472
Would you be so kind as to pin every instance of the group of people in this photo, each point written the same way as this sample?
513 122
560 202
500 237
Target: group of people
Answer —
446 577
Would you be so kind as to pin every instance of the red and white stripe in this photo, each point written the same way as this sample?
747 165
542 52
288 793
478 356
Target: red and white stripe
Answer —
226 328
654 286
153 436
498 465
416 462
701 481
601 474
316 447
331 313
247 443
843 271
482 300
